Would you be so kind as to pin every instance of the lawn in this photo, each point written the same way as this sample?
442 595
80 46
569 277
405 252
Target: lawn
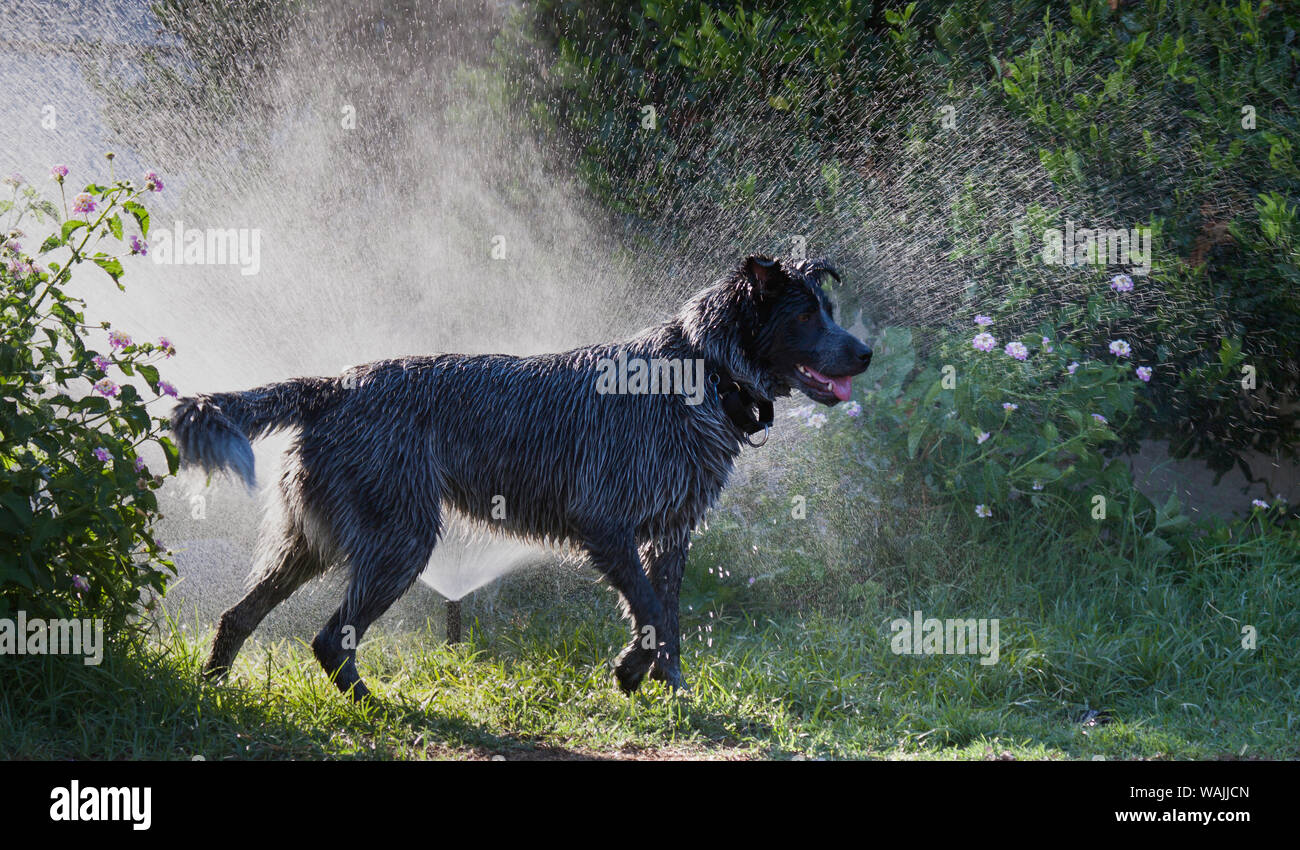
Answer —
777 671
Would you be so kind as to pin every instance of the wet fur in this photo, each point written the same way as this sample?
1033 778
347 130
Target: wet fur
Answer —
382 452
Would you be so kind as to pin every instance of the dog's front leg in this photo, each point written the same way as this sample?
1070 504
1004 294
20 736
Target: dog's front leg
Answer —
667 563
616 558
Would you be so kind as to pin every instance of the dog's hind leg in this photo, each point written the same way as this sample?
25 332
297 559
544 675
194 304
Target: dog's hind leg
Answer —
616 558
667 564
383 570
290 562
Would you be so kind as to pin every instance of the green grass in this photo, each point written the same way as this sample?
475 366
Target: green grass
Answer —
1155 645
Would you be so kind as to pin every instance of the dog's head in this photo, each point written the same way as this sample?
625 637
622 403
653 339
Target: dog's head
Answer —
791 332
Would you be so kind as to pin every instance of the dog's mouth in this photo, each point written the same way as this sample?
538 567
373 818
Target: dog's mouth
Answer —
827 389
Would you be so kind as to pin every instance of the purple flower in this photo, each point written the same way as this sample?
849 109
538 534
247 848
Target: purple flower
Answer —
1017 350
1073 366
1259 503
58 172
118 339
1100 418
983 435
1038 485
80 583
153 182
984 342
14 246
139 464
166 345
101 363
167 389
139 246
853 409
1121 283
1144 373
83 204
983 321
983 511
106 387
1010 407
816 420
15 180
103 455
1120 348
1047 345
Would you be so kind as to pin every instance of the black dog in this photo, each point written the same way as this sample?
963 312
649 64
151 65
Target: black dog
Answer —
607 448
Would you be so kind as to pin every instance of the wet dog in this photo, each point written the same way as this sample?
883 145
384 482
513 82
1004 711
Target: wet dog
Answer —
614 449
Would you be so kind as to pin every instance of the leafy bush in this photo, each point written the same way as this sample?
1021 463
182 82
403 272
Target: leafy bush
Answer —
818 118
76 498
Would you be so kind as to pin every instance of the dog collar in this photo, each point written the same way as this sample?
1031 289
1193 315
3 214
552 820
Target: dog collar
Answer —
739 404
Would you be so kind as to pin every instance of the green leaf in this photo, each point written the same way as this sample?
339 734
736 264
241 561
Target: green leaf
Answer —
141 216
71 226
115 225
110 265
914 434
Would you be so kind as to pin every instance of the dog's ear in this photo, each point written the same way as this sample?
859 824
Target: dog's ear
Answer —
815 269
766 276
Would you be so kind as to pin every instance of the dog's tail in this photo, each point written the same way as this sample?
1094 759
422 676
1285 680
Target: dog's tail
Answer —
214 431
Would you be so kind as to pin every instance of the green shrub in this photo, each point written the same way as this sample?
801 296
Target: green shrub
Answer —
76 498
818 118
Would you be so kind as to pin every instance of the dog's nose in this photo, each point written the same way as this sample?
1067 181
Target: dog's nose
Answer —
865 356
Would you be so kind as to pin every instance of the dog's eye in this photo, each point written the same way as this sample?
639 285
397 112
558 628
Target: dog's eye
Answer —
805 317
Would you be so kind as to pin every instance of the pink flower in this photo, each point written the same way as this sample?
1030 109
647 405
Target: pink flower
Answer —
983 511
103 455
118 339
983 321
167 389
80 583
984 342
83 204
58 172
105 387
101 363
1121 283
853 409
139 246
166 345
1144 373
153 182
15 180
1120 348
1017 350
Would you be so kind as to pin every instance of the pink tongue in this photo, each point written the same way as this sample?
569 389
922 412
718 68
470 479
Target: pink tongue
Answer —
842 387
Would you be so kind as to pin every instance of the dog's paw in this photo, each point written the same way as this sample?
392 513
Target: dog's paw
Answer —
673 678
214 673
631 667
